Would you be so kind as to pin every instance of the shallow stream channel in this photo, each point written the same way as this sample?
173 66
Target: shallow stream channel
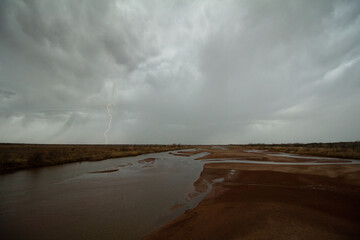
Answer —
121 198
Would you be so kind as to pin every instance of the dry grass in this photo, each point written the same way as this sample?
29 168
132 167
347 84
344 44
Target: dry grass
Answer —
21 156
348 150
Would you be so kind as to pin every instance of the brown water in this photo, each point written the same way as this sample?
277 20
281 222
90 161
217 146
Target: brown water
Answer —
69 202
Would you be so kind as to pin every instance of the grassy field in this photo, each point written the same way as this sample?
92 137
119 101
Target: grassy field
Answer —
349 150
21 156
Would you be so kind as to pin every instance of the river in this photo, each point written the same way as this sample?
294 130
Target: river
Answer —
70 202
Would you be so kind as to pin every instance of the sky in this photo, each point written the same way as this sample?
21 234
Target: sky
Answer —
184 72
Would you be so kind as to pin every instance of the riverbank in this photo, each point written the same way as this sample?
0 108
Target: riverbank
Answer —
22 156
266 201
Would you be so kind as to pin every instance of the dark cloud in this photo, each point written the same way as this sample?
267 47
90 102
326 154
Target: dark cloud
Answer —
6 94
179 71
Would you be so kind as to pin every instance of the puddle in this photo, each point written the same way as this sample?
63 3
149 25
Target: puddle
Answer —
254 151
298 156
285 163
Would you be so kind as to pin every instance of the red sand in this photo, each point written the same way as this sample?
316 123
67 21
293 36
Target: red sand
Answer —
271 202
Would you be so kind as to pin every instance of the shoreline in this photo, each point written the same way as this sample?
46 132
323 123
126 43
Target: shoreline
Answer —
15 157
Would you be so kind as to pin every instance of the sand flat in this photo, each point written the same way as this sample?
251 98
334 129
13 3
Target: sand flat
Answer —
264 201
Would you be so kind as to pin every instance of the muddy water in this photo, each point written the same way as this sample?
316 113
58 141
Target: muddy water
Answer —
69 202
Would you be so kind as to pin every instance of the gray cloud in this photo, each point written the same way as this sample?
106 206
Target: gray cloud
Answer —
179 71
6 94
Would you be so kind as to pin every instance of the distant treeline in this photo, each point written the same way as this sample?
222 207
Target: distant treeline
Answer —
21 156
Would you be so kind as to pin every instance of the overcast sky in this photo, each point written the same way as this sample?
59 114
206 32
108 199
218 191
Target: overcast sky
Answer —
193 72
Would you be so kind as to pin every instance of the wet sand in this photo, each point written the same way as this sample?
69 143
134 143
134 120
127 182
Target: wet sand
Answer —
265 201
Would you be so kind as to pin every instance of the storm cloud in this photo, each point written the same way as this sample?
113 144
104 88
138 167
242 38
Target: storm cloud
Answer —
196 72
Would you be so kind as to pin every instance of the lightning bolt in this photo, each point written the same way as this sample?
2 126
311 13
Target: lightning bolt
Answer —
109 123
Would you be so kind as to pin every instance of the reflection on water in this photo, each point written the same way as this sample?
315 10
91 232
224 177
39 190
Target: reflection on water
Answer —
122 198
